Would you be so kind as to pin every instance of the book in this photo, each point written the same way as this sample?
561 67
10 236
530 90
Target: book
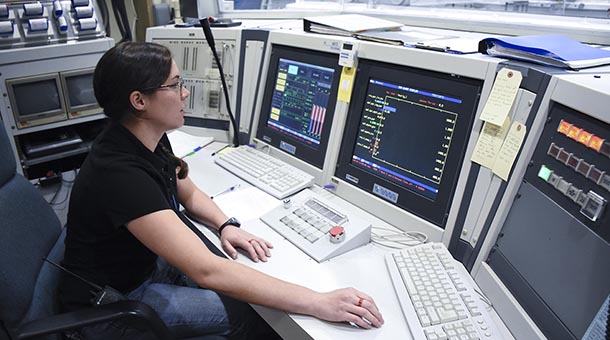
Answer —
347 24
553 50
399 37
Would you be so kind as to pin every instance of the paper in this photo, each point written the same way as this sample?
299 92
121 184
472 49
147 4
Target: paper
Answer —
347 24
510 149
183 143
246 204
502 96
346 83
489 143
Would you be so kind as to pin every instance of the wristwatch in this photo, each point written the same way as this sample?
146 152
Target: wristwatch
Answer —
231 221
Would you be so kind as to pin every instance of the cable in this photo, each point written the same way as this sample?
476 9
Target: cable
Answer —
105 16
397 239
120 14
207 32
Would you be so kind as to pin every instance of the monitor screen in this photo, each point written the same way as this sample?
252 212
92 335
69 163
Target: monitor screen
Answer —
299 102
35 97
78 87
406 135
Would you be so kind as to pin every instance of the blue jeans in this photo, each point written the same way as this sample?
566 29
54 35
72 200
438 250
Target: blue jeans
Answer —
189 311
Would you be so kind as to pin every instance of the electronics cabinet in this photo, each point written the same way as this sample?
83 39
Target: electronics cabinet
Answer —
48 51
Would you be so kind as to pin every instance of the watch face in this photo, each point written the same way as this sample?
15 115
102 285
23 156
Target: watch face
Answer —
234 221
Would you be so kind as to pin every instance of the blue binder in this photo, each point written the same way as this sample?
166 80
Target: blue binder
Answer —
553 50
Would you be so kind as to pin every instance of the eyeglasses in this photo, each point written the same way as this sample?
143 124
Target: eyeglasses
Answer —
177 85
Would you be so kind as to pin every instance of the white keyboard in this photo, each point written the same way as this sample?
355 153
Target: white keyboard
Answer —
307 223
265 172
437 295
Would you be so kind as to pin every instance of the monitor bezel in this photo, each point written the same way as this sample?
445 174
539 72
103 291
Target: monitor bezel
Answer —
64 83
434 211
19 117
314 157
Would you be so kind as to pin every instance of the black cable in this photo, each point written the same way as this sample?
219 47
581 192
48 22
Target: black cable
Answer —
207 31
227 99
125 20
117 17
105 16
120 14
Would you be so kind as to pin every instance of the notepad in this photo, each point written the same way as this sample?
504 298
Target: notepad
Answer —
184 143
552 50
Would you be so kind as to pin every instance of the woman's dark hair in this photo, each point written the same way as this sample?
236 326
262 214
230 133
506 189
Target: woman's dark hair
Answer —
128 67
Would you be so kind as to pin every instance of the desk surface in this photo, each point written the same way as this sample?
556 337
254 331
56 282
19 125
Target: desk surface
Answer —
363 268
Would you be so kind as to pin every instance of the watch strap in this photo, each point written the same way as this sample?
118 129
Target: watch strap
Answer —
231 221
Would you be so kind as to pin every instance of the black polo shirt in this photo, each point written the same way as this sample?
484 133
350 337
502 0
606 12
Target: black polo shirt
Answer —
119 181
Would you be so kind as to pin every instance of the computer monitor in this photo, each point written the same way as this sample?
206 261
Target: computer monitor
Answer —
36 99
406 136
78 90
298 102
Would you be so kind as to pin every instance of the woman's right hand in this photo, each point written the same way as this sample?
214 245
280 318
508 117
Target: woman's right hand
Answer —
348 305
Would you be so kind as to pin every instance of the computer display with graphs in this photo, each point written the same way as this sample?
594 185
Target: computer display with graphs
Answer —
406 136
298 102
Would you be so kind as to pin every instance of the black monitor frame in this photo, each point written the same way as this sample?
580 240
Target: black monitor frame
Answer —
436 209
285 142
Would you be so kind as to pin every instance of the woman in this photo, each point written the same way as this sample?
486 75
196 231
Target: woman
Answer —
124 228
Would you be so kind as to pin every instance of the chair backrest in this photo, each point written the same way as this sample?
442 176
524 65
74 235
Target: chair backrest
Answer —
29 231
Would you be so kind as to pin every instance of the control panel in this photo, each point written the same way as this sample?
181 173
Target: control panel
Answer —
573 163
24 24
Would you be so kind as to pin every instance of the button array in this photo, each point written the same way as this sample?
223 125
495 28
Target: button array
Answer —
579 165
313 219
584 137
592 204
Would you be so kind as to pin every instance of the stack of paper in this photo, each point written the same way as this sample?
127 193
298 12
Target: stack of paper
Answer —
347 24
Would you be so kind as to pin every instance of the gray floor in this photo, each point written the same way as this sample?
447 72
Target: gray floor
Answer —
58 195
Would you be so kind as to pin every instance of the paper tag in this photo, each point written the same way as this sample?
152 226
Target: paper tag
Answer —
502 96
489 143
346 83
508 153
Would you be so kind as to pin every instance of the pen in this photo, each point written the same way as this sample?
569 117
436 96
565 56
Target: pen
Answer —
229 189
219 151
193 152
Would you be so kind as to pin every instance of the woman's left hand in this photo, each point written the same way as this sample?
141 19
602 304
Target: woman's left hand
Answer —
256 247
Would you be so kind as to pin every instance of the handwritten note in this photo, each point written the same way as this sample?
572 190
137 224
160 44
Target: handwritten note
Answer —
489 143
510 149
502 96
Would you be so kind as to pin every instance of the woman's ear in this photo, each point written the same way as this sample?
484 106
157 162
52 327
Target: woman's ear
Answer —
137 100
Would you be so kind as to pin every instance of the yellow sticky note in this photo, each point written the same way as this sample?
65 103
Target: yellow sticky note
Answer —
510 149
346 83
489 143
502 96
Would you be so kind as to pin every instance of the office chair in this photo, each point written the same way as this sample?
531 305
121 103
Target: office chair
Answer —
29 231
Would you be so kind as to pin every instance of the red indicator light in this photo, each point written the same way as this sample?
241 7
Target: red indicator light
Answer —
573 132
563 127
596 143
584 137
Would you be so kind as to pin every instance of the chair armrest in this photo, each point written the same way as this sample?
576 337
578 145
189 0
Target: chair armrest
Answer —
135 313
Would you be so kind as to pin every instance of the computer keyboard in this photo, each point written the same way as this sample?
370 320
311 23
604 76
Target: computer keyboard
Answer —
438 296
309 221
265 172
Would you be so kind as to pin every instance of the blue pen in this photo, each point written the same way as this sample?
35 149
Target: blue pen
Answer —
193 152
